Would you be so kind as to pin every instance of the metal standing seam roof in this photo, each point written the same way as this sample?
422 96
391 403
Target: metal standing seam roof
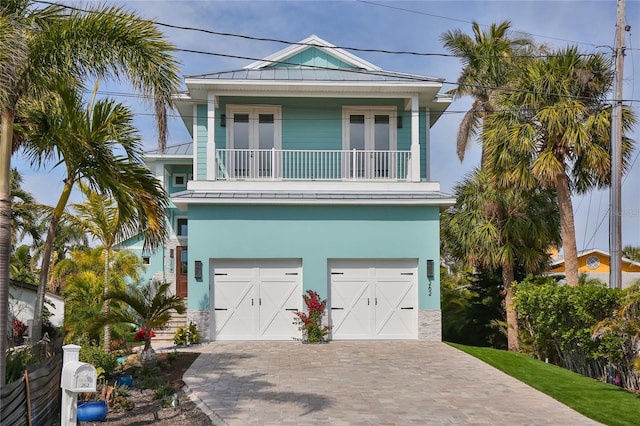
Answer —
180 149
321 195
314 74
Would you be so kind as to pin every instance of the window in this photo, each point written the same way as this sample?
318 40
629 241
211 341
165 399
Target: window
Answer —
593 262
179 179
369 132
254 131
181 226
146 260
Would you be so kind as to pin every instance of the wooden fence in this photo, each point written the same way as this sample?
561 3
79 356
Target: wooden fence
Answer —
34 399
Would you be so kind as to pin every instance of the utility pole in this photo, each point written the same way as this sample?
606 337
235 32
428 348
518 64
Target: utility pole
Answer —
615 194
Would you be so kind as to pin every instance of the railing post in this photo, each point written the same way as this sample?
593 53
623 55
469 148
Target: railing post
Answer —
273 163
353 164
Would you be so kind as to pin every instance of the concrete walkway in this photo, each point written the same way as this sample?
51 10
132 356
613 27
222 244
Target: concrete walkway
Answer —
363 383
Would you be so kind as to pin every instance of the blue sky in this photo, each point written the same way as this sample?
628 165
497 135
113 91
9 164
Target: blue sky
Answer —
389 25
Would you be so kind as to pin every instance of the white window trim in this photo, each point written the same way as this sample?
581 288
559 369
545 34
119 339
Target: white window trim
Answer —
177 230
253 111
177 175
372 111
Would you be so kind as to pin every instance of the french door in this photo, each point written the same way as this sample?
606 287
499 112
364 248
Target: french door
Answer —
370 138
253 133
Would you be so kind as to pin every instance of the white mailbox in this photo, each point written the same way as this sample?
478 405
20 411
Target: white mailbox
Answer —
78 377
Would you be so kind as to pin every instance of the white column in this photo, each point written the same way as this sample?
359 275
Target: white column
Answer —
194 131
415 140
427 144
211 139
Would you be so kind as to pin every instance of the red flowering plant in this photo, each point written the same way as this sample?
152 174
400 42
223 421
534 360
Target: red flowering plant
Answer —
310 322
142 335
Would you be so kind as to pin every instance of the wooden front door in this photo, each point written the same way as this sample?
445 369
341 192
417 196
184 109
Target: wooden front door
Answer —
181 272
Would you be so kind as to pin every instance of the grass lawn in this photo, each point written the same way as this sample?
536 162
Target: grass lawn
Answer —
599 401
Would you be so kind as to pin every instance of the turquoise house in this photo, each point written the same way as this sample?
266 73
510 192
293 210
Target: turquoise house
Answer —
308 169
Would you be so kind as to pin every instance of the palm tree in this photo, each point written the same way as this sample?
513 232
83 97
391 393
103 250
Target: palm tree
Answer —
150 306
554 132
631 253
100 217
83 276
501 229
21 267
99 145
487 61
25 211
56 43
68 238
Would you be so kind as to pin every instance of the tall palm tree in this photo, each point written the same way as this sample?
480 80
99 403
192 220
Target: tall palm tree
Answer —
41 45
100 217
99 145
68 237
487 60
554 132
502 229
150 306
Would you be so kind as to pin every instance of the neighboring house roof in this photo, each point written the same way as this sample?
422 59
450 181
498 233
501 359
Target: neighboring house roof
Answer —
602 265
183 150
313 67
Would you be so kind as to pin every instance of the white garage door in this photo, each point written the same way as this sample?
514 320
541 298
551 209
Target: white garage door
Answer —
374 299
256 300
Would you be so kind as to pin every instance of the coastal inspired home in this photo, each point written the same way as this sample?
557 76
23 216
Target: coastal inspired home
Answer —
596 264
308 170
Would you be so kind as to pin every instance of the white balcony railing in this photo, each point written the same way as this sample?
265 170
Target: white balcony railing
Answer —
282 164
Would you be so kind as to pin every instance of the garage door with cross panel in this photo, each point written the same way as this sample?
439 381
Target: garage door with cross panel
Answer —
373 299
256 300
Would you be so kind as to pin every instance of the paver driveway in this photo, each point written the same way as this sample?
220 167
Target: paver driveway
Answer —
284 383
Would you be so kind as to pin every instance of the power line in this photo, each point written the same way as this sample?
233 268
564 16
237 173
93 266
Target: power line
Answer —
465 21
298 43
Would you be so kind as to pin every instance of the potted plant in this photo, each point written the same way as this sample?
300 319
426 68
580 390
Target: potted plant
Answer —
310 322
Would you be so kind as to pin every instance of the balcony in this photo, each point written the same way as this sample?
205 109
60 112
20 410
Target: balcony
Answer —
311 165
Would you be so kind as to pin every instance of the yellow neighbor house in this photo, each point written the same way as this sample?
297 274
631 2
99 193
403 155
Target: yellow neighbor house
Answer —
595 263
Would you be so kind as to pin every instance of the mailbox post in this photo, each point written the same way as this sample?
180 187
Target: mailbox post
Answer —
76 377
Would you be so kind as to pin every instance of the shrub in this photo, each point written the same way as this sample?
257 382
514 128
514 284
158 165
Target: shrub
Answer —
99 358
310 322
556 324
187 336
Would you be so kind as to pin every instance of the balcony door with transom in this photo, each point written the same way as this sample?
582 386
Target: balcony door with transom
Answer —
370 138
254 133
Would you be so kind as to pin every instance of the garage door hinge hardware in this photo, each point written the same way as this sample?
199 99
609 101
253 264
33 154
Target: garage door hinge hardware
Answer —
337 273
260 301
251 302
406 273
368 302
376 301
220 274
291 273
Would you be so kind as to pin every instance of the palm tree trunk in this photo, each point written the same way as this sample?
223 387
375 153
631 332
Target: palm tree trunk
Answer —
46 258
513 343
567 229
107 328
6 144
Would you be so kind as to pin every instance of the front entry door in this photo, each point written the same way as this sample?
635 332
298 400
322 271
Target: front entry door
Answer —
181 272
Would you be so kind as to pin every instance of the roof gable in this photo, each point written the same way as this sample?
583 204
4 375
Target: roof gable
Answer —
313 51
